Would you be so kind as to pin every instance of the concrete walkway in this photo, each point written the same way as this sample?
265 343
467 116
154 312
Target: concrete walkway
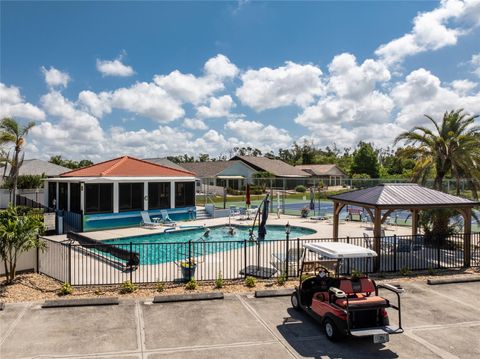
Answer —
438 325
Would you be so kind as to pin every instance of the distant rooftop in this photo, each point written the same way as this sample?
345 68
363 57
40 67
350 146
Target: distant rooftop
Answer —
127 167
38 167
165 162
322 170
402 195
276 167
208 169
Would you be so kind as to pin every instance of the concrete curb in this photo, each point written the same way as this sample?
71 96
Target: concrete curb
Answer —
187 297
274 293
454 280
84 302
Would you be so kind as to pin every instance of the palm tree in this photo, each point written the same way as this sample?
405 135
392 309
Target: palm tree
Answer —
13 133
451 148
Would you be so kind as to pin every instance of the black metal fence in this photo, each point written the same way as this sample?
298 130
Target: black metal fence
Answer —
89 264
28 202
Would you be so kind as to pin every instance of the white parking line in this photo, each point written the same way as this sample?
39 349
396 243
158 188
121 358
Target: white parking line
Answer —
14 324
433 348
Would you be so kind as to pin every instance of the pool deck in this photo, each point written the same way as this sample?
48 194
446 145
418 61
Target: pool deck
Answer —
323 228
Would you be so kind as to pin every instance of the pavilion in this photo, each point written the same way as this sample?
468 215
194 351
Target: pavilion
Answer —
113 193
380 201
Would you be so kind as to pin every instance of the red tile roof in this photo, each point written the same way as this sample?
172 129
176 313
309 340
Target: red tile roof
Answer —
127 166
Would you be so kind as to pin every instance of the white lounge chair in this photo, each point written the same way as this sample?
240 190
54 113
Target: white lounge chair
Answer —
147 222
166 220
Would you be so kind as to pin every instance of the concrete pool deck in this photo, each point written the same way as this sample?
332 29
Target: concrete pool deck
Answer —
437 325
324 229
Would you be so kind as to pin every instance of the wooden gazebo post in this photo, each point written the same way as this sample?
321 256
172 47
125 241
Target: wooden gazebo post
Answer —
377 234
414 222
467 235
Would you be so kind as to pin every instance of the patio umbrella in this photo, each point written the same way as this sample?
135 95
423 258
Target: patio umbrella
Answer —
262 230
312 200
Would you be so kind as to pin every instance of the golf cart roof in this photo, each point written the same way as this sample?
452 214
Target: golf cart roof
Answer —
338 250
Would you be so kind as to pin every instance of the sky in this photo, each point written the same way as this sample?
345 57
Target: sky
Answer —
153 79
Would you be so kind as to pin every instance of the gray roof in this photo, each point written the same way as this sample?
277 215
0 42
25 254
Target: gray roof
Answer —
322 170
208 169
402 195
276 167
39 167
165 162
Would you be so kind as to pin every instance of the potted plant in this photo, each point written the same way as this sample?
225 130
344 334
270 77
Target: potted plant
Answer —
304 212
188 268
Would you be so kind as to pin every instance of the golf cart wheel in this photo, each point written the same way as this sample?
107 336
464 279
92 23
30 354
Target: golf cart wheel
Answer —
331 330
295 301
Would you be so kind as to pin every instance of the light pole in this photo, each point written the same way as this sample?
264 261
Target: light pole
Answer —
287 234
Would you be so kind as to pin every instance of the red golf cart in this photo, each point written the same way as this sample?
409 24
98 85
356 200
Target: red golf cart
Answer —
343 305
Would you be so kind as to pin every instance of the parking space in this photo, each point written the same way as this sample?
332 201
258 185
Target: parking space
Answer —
440 322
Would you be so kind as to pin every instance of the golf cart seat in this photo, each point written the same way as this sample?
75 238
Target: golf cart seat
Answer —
362 301
364 285
313 285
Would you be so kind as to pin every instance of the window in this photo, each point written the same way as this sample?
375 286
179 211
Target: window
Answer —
130 196
98 198
75 197
63 196
52 194
158 195
184 194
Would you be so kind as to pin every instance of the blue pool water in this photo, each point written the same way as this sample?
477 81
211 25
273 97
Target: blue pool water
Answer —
173 246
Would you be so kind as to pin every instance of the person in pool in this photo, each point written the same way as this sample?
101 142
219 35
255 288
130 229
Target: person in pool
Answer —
231 231
207 233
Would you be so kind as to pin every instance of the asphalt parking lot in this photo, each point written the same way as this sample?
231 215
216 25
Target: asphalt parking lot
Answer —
440 322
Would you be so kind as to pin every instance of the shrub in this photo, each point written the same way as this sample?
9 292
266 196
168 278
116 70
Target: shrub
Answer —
98 292
219 282
191 284
128 287
431 271
282 279
66 289
405 271
356 274
160 287
304 277
250 282
300 188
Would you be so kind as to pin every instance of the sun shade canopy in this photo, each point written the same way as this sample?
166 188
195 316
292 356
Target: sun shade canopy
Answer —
338 250
402 195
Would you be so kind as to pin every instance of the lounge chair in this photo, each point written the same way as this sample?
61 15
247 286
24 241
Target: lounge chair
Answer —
279 261
367 240
166 220
147 222
234 211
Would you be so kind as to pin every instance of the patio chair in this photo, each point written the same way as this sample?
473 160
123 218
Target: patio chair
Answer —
279 261
367 240
147 222
234 211
166 220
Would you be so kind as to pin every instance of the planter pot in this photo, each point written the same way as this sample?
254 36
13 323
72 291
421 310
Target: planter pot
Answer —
188 272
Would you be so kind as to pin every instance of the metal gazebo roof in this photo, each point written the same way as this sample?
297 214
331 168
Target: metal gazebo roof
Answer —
402 195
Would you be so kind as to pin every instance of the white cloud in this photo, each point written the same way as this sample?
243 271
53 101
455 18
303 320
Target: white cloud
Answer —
96 104
194 124
114 68
220 67
269 88
217 107
55 78
475 62
193 89
463 87
422 93
149 100
258 134
12 104
433 30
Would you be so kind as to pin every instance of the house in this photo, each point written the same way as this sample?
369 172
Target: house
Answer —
164 162
277 168
230 174
330 175
113 193
36 167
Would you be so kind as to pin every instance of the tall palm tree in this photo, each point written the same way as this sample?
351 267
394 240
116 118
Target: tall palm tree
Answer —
452 147
12 133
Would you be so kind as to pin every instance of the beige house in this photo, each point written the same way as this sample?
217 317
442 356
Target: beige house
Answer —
331 175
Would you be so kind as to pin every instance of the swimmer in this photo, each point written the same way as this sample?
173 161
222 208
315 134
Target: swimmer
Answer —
231 231
207 233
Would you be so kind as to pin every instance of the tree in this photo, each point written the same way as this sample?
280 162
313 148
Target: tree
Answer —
58 160
365 161
13 133
18 233
451 147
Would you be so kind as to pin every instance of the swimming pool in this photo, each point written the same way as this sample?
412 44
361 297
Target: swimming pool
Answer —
174 246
